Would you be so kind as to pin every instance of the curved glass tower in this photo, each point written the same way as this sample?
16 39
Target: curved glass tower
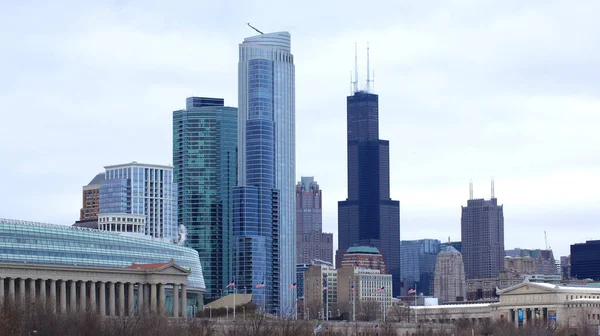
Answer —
264 204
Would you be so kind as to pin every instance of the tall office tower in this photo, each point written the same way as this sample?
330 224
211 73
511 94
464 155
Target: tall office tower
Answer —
311 242
91 199
482 237
585 260
417 261
266 168
205 170
450 283
369 217
139 199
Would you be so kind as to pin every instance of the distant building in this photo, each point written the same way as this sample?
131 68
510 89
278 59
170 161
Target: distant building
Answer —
311 242
371 287
205 170
482 238
367 257
417 260
530 261
585 260
456 244
318 301
565 267
369 216
139 199
91 199
450 284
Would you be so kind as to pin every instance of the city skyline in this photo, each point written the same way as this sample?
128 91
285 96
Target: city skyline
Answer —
103 71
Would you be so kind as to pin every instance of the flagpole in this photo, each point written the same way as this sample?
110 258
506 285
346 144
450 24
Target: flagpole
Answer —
353 302
234 298
416 320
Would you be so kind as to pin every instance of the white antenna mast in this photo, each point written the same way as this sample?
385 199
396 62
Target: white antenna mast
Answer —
493 196
355 83
471 189
368 70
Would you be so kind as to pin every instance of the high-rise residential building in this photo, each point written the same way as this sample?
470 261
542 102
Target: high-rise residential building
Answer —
264 203
139 199
368 257
311 242
369 217
450 283
585 260
91 199
205 170
417 260
482 237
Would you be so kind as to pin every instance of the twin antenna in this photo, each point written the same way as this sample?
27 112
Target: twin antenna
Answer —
471 189
354 83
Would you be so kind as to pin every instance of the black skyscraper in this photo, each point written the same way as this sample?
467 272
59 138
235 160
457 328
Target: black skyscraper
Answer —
369 216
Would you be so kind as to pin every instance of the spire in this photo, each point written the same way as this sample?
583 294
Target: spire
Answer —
355 83
493 195
471 189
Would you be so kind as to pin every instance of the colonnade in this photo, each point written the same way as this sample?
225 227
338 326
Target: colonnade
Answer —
104 297
534 315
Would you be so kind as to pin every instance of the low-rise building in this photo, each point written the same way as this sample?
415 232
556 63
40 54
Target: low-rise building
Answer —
321 291
363 294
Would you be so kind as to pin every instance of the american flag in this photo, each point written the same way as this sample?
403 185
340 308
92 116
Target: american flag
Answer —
325 285
412 291
380 290
292 286
352 288
231 284
260 285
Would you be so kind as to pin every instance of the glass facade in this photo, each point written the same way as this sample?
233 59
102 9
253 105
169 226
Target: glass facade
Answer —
418 258
585 260
267 101
205 168
40 243
140 189
369 217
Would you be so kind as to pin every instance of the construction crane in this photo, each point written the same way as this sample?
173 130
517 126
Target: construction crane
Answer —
249 25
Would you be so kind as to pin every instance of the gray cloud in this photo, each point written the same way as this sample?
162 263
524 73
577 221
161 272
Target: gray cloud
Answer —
467 90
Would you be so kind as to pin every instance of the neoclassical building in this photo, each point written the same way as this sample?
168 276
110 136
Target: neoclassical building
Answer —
104 290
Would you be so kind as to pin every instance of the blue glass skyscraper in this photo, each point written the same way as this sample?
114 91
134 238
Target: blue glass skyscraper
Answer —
205 169
264 203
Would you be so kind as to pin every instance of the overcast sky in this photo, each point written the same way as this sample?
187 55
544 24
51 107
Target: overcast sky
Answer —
468 89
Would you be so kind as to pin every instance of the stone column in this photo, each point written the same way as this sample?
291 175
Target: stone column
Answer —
82 296
93 297
53 295
161 298
184 301
31 291
42 295
141 296
63 296
73 296
130 300
11 289
1 293
153 298
102 298
22 291
111 299
121 299
175 300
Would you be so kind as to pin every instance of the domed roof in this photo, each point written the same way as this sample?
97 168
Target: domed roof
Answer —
449 250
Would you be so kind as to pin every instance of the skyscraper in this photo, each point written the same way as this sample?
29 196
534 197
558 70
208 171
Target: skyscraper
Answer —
482 238
134 194
369 216
264 218
205 169
417 261
311 242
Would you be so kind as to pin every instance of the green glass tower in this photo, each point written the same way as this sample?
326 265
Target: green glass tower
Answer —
205 140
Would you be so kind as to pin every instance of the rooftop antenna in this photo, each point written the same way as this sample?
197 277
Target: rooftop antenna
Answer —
368 70
355 83
249 25
493 196
546 239
471 189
